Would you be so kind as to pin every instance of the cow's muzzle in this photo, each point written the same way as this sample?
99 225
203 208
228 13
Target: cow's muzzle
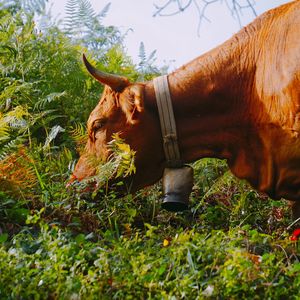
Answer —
177 187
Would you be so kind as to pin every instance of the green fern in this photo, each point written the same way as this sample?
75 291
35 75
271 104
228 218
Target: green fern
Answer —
146 65
119 164
16 118
80 16
4 129
103 13
30 6
79 135
84 25
10 147
78 132
71 20
142 53
55 130
86 12
34 6
123 157
41 104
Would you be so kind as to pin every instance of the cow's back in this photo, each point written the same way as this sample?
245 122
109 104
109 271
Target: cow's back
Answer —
277 76
277 90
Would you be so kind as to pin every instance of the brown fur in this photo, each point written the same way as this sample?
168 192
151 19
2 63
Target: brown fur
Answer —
240 102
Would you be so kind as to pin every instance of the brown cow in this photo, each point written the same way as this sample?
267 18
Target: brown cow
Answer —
240 102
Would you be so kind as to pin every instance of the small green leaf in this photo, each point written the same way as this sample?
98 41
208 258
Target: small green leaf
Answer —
80 238
3 237
131 212
162 269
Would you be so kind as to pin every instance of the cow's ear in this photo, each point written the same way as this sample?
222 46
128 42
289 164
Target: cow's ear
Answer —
132 102
137 92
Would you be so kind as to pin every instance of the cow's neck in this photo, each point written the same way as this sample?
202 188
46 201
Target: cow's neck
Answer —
209 98
211 103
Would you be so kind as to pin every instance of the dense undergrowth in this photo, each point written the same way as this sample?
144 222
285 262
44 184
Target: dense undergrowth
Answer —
57 243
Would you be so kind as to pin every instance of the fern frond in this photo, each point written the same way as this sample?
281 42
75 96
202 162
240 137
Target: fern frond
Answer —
78 132
16 89
119 164
123 156
4 129
86 12
142 54
10 147
103 13
79 135
152 57
8 91
33 6
84 25
146 64
71 20
17 176
55 130
41 104
15 118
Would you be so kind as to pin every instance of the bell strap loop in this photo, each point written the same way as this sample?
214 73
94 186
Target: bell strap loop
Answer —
167 121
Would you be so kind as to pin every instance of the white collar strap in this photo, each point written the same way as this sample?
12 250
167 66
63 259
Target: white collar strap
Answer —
167 121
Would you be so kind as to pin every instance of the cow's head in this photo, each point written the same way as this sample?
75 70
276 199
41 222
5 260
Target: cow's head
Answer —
122 109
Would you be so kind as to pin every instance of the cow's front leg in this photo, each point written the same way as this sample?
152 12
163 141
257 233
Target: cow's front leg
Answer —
295 206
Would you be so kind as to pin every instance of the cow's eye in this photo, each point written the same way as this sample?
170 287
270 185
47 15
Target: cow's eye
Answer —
98 124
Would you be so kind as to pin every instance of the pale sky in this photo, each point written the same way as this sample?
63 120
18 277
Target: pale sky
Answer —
174 38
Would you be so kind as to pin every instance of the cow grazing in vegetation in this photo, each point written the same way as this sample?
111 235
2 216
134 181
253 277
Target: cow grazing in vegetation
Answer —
240 102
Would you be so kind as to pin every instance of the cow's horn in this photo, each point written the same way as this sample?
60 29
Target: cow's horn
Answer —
117 83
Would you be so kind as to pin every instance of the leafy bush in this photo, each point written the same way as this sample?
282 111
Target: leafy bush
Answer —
147 264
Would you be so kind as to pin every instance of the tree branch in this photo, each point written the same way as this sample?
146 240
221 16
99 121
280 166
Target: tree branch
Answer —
174 7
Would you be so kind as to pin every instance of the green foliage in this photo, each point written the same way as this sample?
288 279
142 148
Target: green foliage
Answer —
57 243
120 164
17 120
147 63
32 6
122 157
139 265
83 24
